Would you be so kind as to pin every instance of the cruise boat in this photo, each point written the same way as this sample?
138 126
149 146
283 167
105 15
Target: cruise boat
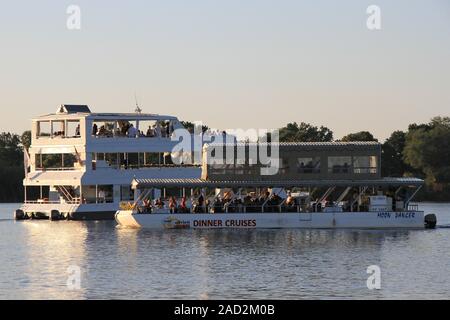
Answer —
317 185
80 164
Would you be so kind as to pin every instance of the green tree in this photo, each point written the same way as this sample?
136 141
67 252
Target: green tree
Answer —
427 149
392 163
10 149
305 132
25 139
359 136
11 168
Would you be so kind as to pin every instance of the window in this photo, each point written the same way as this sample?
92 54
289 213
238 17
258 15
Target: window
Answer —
73 129
284 166
339 164
152 159
133 160
58 129
308 165
59 161
44 129
105 194
103 129
219 168
98 194
365 164
239 168
126 193
148 128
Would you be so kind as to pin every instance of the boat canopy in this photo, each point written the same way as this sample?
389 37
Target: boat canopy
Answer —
200 183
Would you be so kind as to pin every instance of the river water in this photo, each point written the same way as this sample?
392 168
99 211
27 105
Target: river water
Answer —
38 259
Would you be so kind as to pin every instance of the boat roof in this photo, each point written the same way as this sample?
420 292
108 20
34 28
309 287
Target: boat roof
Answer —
340 145
165 183
105 116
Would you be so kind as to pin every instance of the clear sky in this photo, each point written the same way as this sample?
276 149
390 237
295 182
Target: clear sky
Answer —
230 63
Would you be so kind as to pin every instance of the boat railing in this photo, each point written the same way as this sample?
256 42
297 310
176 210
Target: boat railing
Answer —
57 169
57 136
110 135
130 206
239 206
413 207
146 166
46 201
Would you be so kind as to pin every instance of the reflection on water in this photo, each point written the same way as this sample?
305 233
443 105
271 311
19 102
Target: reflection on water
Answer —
209 264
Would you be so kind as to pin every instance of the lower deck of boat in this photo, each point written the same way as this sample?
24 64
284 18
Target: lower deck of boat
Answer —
310 220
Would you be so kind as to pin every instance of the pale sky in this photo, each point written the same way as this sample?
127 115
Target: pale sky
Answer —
230 63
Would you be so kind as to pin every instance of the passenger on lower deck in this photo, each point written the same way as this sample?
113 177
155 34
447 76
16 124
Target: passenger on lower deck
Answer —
172 204
199 206
183 208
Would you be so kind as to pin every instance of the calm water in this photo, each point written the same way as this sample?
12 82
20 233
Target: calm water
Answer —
218 264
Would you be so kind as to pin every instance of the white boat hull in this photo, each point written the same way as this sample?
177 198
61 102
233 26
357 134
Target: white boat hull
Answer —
315 220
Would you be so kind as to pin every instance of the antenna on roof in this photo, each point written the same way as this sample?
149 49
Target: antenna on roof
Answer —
138 109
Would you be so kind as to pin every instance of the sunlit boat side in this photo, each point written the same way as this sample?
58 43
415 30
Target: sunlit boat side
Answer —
80 164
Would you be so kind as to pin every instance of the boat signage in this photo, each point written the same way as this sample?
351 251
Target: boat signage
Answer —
174 223
396 215
230 223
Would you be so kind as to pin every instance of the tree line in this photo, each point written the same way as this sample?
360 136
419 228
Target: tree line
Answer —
423 151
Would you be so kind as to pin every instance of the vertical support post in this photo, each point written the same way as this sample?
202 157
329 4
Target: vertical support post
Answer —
359 199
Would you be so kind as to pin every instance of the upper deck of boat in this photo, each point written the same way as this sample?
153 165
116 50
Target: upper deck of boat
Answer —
104 116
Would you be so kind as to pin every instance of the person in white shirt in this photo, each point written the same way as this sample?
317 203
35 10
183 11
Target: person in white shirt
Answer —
102 196
158 130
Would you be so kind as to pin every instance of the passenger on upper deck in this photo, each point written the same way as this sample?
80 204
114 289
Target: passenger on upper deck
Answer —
102 131
94 129
157 129
150 132
131 132
77 130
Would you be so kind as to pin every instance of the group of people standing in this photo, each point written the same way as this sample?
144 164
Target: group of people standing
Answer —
126 129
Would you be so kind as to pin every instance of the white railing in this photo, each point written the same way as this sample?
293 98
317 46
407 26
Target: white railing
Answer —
413 207
44 201
57 169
